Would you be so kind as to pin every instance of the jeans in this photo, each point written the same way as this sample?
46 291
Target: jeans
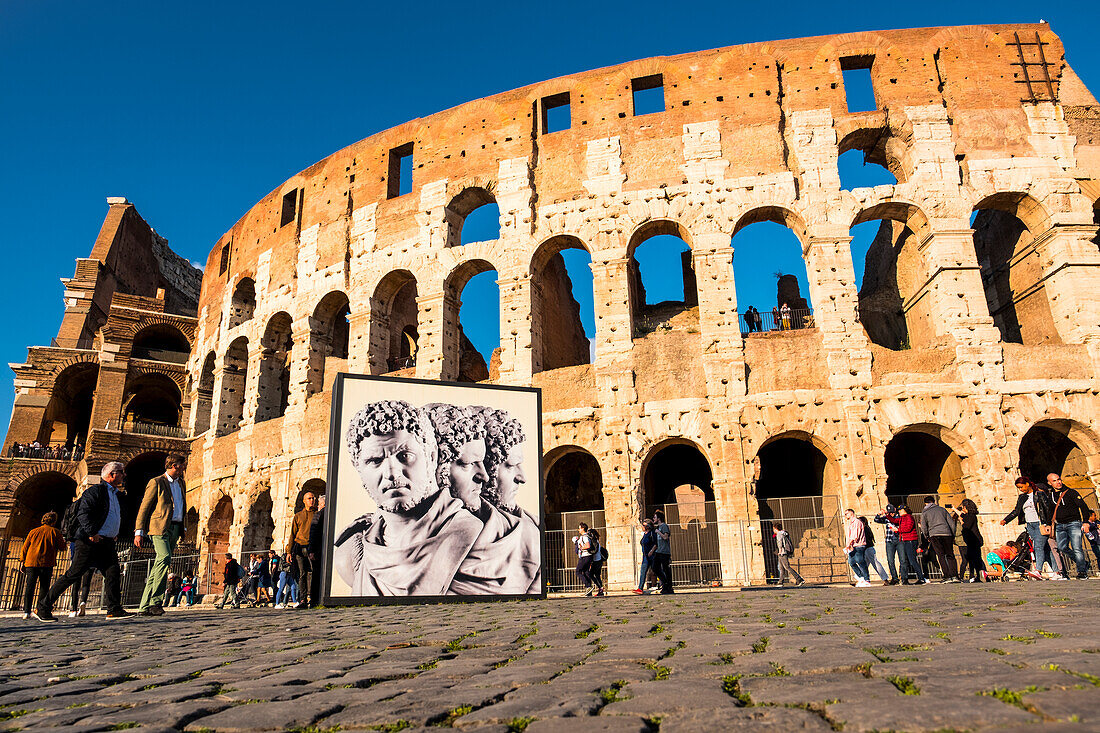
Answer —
305 572
1095 544
1069 538
229 595
100 555
785 569
858 563
82 586
870 556
974 560
945 554
662 565
288 590
39 577
909 561
1041 548
163 544
190 594
645 572
893 549
584 570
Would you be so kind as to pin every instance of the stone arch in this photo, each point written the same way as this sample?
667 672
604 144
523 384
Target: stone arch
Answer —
775 213
893 276
1012 267
329 337
394 324
927 459
315 485
558 336
880 144
140 470
274 377
260 525
659 485
242 305
1063 446
69 409
233 380
219 526
770 225
461 359
646 316
35 492
161 342
466 202
204 394
573 481
152 398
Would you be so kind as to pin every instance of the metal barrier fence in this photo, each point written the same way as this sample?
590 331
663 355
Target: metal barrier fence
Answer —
775 320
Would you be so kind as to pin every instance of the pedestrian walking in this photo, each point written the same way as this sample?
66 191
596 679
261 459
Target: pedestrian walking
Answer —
648 542
1070 512
972 537
891 541
910 540
784 549
160 517
232 572
855 547
78 606
317 552
287 593
1034 510
585 549
939 527
599 556
298 546
99 518
39 558
1091 531
662 557
870 555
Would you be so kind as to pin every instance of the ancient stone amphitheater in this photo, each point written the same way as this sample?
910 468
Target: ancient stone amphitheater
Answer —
968 355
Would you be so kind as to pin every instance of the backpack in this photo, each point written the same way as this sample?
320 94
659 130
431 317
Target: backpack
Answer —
787 546
70 527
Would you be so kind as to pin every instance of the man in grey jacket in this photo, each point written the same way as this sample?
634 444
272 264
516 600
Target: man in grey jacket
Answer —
939 527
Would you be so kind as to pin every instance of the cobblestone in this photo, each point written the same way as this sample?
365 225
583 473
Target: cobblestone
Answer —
991 657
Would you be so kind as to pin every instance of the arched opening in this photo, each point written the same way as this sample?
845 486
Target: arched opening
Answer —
661 276
574 494
46 491
243 305
889 276
69 410
799 486
314 486
260 528
274 386
204 395
864 160
471 348
393 323
139 472
770 274
234 377
328 348
472 216
151 401
1047 448
562 309
161 342
1012 269
191 529
676 478
919 464
217 539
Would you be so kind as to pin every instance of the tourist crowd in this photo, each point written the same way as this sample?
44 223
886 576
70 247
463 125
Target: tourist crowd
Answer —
49 452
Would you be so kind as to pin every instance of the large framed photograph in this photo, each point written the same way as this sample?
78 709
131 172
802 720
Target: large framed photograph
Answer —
434 492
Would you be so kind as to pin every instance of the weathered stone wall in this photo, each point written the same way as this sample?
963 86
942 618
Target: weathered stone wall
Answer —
749 133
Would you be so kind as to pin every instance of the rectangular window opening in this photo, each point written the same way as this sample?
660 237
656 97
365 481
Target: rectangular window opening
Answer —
225 259
858 87
290 207
400 178
555 113
649 94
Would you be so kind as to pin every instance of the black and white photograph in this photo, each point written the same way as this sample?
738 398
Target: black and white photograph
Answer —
436 491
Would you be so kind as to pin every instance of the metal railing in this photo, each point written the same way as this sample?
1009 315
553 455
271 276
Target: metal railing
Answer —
776 320
402 362
50 452
139 427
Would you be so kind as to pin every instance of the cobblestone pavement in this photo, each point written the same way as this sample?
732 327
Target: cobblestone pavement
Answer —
952 657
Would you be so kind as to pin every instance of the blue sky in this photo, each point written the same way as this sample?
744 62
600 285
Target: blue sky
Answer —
194 111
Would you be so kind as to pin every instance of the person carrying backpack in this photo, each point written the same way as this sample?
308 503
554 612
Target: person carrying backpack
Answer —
784 548
599 557
587 550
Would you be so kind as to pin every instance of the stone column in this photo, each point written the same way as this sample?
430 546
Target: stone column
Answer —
437 356
252 386
307 362
723 351
515 326
360 351
1071 273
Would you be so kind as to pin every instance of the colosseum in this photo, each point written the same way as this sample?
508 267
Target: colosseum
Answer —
969 354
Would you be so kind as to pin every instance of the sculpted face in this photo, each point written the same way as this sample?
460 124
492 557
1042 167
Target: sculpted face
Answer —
510 476
395 471
468 475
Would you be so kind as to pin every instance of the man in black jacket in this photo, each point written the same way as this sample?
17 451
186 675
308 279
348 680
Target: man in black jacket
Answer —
1033 510
316 552
1070 510
98 518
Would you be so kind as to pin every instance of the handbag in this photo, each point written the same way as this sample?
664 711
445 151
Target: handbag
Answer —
1048 529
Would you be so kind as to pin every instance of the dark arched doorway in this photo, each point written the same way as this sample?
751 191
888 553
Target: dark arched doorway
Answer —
47 491
1047 448
918 465
676 478
574 494
316 486
797 485
260 527
139 472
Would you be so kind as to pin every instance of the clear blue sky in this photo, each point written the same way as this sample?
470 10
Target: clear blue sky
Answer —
194 111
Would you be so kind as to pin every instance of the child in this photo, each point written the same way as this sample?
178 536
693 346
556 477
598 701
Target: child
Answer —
187 588
999 560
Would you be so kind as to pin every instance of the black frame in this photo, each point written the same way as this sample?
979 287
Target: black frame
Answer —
333 486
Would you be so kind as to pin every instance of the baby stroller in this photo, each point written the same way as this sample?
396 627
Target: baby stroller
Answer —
1019 567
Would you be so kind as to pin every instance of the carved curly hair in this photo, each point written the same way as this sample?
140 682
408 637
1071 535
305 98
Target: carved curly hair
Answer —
455 426
502 433
388 416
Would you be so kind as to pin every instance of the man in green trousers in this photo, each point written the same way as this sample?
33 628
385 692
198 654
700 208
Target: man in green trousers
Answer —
160 518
